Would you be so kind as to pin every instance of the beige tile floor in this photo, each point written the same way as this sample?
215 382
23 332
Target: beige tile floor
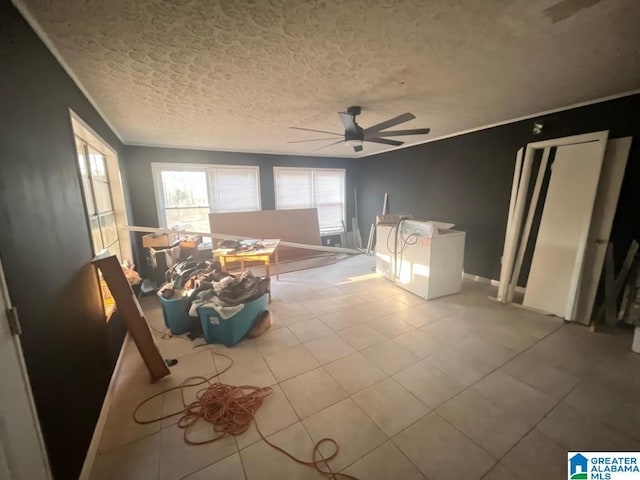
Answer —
460 387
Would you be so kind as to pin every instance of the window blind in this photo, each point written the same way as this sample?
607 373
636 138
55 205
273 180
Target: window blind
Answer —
321 188
234 189
187 193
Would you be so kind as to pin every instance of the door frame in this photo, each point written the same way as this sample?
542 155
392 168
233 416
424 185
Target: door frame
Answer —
514 228
15 466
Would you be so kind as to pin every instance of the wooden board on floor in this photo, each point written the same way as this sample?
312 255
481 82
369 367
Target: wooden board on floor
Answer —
609 287
132 314
613 286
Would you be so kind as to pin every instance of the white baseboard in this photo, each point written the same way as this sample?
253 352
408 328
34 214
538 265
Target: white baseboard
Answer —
488 281
531 309
92 452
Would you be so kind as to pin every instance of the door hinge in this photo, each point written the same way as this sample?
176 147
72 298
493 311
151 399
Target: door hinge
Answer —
14 321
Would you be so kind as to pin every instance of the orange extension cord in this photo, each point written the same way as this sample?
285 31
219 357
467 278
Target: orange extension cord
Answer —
231 409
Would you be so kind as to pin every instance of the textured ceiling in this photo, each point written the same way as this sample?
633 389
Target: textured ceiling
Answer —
235 74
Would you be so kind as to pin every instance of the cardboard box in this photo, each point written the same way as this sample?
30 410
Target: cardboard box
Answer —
191 241
161 240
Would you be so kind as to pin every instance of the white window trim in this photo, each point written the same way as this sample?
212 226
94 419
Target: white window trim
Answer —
343 171
84 131
158 167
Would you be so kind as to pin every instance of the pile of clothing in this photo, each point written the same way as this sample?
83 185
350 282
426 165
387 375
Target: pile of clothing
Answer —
207 285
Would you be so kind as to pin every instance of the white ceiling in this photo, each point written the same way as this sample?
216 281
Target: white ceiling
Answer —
235 74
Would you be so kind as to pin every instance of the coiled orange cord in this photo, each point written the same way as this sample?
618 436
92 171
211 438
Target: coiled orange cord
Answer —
231 409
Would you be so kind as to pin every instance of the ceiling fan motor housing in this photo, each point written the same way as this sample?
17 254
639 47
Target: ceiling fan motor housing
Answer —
358 134
354 111
351 133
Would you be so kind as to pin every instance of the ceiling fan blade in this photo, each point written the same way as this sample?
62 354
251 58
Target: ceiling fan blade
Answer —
329 145
320 131
392 122
357 148
312 140
384 141
348 122
400 133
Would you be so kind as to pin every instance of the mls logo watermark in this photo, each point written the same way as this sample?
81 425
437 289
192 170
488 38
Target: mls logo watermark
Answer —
603 465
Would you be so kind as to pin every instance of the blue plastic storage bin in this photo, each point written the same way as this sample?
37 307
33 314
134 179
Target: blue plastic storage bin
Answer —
176 314
233 329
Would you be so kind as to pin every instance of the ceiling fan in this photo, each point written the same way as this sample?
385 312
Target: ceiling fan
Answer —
354 135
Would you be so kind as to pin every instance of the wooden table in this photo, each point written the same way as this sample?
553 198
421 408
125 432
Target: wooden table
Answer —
262 255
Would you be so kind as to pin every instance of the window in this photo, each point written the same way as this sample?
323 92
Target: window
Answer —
97 194
186 194
322 188
99 172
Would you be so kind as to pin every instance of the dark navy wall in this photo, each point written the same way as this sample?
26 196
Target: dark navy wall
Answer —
138 168
45 244
466 179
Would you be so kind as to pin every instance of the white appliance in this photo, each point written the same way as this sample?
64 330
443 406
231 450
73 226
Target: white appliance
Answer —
427 259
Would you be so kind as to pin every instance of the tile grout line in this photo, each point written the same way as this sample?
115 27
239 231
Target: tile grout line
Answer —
129 442
555 405
590 416
371 419
326 462
159 432
348 396
300 420
434 410
356 351
237 452
244 470
390 438
289 401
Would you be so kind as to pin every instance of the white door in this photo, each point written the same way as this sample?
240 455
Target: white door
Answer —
558 256
604 209
22 453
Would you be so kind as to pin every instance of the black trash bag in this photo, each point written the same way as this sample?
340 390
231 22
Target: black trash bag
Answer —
244 289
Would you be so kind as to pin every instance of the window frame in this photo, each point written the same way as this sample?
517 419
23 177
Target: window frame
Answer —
158 189
312 171
97 215
82 132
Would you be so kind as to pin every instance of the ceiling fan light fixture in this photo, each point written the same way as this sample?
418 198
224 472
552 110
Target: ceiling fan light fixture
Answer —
354 142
